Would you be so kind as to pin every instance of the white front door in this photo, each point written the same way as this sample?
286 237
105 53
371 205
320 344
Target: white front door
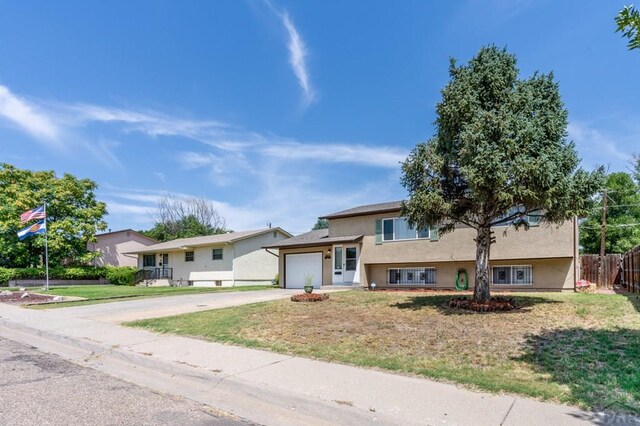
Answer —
345 264
166 271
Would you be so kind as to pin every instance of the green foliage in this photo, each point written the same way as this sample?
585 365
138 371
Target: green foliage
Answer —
73 216
121 276
186 227
321 224
276 280
628 23
623 208
500 142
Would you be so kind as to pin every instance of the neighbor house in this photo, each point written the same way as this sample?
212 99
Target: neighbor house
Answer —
231 259
115 246
373 244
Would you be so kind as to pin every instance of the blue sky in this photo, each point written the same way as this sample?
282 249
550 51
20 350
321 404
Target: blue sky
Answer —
283 111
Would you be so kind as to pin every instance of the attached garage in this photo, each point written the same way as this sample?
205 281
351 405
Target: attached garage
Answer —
299 266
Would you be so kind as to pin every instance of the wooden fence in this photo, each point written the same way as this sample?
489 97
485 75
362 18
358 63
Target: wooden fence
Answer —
590 269
631 270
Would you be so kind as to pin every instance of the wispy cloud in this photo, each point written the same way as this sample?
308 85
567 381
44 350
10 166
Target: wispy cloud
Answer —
298 59
27 117
597 147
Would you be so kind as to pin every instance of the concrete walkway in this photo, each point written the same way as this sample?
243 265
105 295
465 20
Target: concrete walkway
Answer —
261 386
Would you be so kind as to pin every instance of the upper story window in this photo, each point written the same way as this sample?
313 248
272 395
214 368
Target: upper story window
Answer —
533 218
188 256
216 254
397 229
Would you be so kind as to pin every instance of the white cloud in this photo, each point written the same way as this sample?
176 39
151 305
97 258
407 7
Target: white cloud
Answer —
27 116
297 59
597 147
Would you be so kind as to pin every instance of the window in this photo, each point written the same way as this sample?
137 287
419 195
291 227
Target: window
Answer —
397 229
188 256
512 275
411 276
148 260
533 218
217 254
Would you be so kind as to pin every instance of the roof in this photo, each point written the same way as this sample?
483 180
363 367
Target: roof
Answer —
126 230
319 237
207 240
365 210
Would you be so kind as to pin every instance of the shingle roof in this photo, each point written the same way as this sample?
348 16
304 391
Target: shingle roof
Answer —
206 240
314 238
364 210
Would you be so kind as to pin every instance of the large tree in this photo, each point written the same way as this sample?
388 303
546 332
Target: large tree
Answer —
628 23
321 224
73 216
184 218
622 217
500 142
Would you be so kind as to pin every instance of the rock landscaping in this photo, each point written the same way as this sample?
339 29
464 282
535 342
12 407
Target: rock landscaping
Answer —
492 305
23 297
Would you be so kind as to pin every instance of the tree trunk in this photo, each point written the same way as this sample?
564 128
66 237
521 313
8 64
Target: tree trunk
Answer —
483 244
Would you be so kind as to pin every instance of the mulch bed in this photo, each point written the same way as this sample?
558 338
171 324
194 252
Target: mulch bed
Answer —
309 297
16 298
492 305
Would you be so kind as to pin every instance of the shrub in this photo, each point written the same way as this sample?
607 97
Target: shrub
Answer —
6 274
121 276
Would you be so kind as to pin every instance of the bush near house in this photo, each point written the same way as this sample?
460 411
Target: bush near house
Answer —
115 275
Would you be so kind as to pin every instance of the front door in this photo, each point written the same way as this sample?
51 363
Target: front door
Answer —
166 271
345 264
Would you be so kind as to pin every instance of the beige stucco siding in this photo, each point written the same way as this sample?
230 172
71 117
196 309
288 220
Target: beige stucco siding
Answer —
252 263
537 242
548 274
113 247
326 262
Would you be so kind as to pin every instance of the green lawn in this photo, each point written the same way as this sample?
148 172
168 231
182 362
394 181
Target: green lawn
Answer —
113 293
581 349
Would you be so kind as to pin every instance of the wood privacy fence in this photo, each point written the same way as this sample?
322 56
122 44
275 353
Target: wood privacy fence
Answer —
590 269
631 270
622 270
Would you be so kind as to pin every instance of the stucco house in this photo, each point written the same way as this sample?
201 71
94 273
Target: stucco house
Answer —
373 244
115 246
231 259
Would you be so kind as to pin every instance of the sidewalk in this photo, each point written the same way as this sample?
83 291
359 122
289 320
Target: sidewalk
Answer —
261 386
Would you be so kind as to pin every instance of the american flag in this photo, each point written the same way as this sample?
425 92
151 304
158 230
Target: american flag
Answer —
37 213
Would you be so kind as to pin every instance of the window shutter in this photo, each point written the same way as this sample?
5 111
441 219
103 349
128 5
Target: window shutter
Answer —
434 234
378 231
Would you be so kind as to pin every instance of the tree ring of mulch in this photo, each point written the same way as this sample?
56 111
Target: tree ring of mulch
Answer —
17 299
494 304
309 297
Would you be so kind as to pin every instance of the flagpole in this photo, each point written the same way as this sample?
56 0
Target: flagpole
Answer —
46 247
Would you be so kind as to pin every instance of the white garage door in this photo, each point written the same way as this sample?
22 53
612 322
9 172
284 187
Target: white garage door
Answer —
300 266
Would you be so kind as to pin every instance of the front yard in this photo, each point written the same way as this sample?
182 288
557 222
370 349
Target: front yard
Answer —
581 349
114 293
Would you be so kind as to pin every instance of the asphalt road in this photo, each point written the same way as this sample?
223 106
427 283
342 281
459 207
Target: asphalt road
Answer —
43 389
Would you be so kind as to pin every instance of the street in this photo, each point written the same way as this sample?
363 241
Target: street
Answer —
44 389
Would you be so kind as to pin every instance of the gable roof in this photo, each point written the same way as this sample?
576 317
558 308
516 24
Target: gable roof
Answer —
121 231
391 206
207 240
313 238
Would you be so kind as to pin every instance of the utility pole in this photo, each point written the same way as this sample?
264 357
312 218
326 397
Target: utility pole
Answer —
603 232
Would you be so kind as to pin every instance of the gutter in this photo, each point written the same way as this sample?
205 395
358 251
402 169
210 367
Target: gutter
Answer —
267 250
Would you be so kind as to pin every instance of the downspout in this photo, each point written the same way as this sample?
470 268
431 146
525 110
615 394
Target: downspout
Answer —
267 250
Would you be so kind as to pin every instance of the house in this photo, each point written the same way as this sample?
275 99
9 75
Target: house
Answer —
231 259
115 246
373 244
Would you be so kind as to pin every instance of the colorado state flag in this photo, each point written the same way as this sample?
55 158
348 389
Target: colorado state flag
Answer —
37 228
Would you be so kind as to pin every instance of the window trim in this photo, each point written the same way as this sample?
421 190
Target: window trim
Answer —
384 240
148 256
213 254
512 267
186 256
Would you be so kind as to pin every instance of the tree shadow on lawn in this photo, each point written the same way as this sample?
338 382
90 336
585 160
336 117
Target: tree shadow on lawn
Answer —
600 367
417 303
633 298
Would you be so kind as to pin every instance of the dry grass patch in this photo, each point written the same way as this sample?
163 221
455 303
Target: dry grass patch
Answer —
577 348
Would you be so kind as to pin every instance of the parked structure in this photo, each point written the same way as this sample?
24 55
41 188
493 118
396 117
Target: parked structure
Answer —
373 244
231 259
114 247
